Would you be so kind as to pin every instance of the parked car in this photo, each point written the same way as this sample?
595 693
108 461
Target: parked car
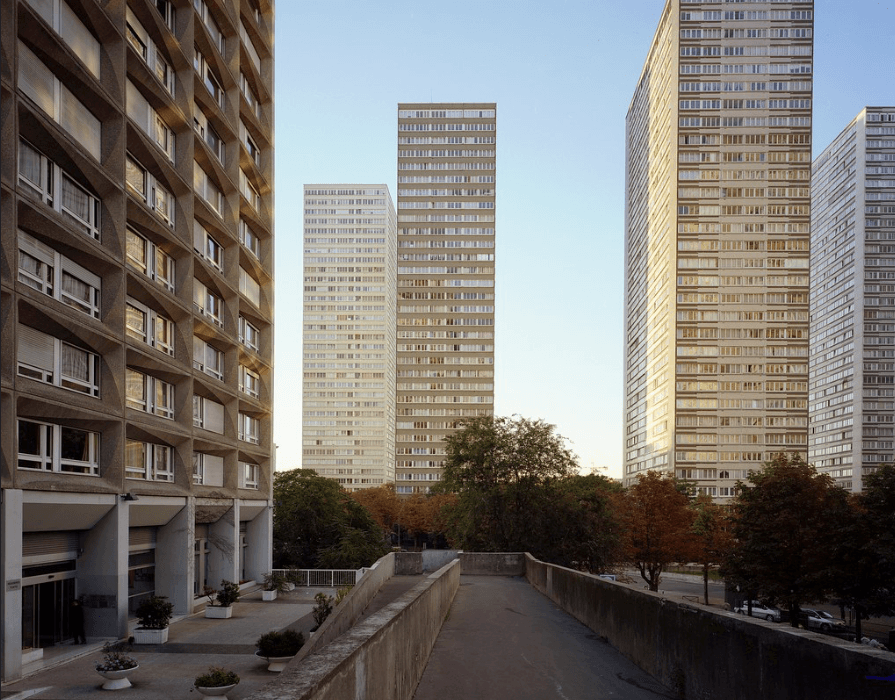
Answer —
760 610
820 620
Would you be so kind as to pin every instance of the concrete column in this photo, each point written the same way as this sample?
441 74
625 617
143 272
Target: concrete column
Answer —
11 570
223 538
102 574
174 570
259 536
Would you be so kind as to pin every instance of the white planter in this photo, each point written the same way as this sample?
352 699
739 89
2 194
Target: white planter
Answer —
268 595
116 680
275 663
147 636
290 586
220 691
217 612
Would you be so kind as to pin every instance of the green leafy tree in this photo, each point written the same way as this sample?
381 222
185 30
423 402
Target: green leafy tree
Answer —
711 537
656 525
585 523
788 528
317 524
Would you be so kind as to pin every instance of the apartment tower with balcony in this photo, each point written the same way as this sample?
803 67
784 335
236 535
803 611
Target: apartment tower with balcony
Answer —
852 367
445 319
717 218
350 259
137 309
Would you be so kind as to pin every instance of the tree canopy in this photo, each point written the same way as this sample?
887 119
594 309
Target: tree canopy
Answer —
316 524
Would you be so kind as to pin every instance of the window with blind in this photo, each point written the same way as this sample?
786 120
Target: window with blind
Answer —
250 47
207 189
148 51
249 143
248 190
249 287
207 303
149 394
57 448
208 414
208 358
208 469
209 79
207 133
66 24
248 238
249 475
148 461
249 382
53 274
251 98
249 428
43 180
47 359
207 246
38 82
214 30
146 257
139 109
249 335
148 326
145 186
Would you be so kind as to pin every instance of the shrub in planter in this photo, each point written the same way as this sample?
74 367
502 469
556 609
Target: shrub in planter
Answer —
227 594
155 612
274 581
322 608
216 677
279 644
116 658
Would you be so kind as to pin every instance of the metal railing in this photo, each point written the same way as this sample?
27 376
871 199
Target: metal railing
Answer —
323 578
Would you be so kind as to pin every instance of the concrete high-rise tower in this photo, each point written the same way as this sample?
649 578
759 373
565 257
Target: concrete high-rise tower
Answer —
350 258
852 373
137 309
716 242
445 320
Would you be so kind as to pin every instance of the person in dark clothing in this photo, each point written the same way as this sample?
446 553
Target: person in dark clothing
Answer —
77 622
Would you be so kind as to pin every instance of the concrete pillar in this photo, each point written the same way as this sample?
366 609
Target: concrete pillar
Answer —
174 570
223 539
259 536
102 574
11 570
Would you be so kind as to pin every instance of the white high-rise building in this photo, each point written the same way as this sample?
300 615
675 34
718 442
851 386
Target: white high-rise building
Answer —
852 368
350 258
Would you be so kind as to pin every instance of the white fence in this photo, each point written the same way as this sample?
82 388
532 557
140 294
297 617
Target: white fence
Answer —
323 578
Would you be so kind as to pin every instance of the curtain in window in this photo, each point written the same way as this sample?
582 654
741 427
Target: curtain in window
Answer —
136 249
212 361
134 388
75 288
162 202
75 200
29 165
136 322
162 396
75 444
163 266
135 456
75 363
30 265
162 469
162 332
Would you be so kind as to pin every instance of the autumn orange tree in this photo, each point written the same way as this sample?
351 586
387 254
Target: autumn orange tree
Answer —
656 525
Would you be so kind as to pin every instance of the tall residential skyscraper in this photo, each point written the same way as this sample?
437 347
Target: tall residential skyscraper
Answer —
446 182
716 242
137 309
852 373
350 258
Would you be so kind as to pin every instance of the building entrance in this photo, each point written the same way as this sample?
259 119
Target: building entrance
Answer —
46 613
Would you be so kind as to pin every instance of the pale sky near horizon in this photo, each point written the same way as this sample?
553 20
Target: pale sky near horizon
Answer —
562 73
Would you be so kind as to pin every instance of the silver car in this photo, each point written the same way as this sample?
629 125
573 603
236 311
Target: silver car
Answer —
821 620
759 610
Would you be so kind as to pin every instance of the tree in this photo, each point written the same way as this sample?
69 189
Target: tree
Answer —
316 523
712 540
656 523
382 503
788 528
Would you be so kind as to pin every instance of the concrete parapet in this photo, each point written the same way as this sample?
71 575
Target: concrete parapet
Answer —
492 563
434 559
381 659
701 652
408 563
346 613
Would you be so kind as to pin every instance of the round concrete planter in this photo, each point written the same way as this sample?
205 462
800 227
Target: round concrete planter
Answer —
218 612
147 636
218 691
275 663
116 680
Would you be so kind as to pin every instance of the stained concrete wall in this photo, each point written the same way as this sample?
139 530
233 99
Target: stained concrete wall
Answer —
381 659
703 653
408 563
491 563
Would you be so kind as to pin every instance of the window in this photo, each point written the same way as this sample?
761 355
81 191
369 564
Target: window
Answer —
53 361
248 190
249 335
249 475
63 20
139 109
149 461
147 50
150 327
206 189
249 143
250 47
207 246
249 428
207 303
208 414
207 133
39 83
42 179
166 10
149 259
57 448
49 272
208 469
249 287
212 84
208 358
249 382
249 95
142 183
217 36
149 394
248 238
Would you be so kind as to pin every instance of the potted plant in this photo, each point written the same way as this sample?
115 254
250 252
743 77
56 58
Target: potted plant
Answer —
216 681
220 601
322 608
295 577
153 615
278 648
273 583
116 666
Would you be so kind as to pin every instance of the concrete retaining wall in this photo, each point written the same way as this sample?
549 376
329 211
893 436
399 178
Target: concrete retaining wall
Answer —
434 559
703 653
491 563
346 613
381 659
408 563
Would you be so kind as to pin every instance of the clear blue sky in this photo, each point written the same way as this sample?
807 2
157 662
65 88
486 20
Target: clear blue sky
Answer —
562 74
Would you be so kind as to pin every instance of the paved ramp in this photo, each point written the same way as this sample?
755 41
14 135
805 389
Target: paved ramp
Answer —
503 639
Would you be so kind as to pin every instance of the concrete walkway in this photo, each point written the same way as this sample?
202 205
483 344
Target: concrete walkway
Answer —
503 639
167 671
